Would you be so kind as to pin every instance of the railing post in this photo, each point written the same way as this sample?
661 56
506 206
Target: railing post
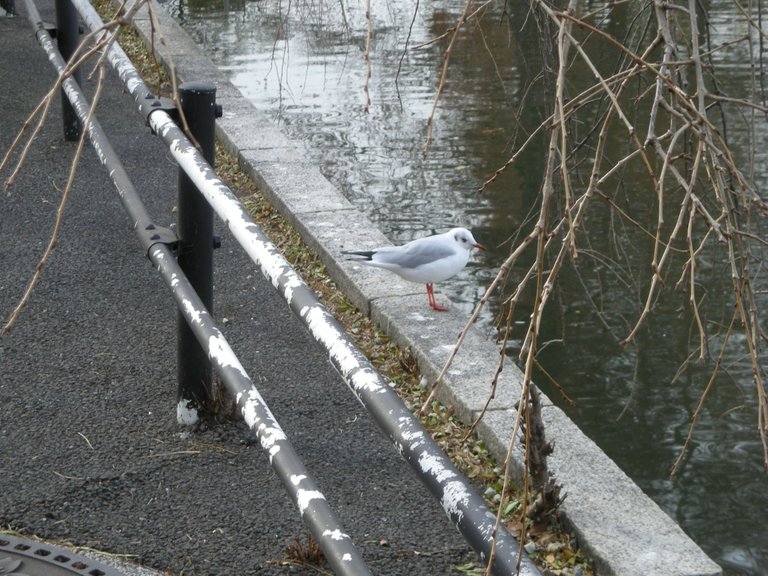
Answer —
68 39
195 253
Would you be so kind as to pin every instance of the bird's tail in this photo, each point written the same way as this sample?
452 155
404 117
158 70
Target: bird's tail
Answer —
365 255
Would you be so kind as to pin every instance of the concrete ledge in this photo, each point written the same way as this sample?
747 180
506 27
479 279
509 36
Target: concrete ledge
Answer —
618 525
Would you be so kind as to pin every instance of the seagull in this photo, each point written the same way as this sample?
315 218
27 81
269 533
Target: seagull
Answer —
424 260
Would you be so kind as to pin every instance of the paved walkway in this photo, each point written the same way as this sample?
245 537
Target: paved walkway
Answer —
90 452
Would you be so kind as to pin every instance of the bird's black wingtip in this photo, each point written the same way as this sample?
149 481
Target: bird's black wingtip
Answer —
364 254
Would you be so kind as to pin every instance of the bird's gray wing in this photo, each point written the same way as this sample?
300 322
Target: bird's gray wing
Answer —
414 254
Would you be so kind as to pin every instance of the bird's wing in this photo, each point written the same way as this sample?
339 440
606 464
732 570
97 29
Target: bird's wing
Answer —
414 254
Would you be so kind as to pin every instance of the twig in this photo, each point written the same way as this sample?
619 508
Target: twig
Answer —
60 210
444 75
367 55
703 397
405 49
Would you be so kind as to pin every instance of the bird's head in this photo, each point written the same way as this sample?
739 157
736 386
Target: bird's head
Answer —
464 238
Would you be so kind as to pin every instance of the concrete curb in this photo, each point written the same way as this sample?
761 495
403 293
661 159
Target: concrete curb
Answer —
622 529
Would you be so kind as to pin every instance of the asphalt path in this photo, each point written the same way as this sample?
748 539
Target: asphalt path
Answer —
90 451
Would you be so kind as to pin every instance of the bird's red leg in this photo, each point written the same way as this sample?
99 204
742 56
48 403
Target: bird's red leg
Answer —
432 303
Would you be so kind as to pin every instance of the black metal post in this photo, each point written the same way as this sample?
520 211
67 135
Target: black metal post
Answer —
68 39
195 231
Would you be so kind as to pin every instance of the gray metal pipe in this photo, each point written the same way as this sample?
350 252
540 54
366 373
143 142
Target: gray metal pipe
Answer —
315 511
462 504
337 546
459 500
453 490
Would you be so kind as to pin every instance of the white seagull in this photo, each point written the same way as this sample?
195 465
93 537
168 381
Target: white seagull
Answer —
424 260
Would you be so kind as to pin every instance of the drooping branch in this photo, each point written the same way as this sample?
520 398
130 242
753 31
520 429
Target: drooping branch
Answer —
702 202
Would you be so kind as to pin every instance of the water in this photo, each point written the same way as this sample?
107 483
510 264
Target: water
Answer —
303 63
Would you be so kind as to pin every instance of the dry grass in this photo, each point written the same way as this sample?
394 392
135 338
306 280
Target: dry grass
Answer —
308 556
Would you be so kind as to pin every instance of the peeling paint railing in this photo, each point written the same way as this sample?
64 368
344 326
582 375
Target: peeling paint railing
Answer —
315 510
460 501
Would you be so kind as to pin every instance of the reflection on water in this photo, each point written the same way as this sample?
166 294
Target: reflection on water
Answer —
303 63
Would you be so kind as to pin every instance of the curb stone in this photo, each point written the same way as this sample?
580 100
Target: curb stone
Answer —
617 525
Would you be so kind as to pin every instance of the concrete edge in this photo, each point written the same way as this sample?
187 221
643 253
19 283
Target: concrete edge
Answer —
621 528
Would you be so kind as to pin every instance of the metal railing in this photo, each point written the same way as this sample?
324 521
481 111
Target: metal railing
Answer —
315 510
460 501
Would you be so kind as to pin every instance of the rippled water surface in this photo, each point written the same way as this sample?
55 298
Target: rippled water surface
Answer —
303 64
